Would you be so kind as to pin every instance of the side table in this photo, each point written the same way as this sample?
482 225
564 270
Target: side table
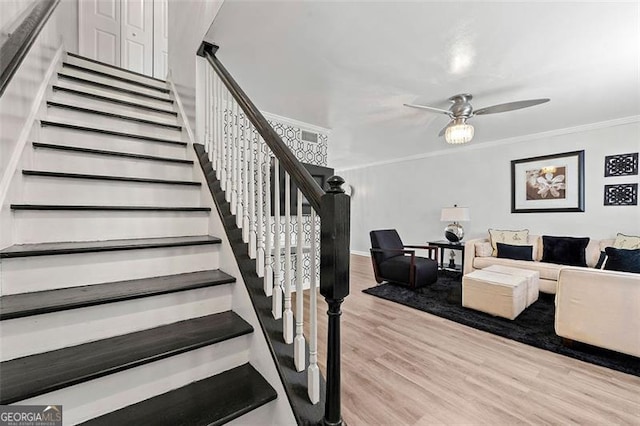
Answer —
444 244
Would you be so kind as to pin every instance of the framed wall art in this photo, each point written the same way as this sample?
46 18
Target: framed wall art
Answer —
549 183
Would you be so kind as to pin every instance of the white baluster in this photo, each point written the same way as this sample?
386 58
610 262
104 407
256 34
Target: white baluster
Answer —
207 106
313 373
219 129
268 235
277 287
229 144
252 196
209 113
212 138
287 320
298 343
234 160
238 166
260 235
246 160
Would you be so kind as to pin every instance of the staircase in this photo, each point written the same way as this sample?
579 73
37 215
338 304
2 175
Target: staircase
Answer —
113 303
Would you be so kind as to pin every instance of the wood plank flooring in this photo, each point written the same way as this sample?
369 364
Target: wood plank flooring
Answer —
401 366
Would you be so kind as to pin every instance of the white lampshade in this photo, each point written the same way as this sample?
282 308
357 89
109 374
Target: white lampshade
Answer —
458 133
455 214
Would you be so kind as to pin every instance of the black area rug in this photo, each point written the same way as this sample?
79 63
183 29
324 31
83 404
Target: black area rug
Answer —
534 326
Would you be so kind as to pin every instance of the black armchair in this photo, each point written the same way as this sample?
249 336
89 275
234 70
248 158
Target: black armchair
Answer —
394 263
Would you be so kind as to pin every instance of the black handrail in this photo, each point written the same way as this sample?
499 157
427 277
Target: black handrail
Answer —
335 212
300 176
16 47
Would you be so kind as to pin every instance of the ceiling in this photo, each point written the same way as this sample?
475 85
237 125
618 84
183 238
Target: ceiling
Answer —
349 66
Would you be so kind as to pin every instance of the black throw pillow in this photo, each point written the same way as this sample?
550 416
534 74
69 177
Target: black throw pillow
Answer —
622 260
601 260
509 251
564 250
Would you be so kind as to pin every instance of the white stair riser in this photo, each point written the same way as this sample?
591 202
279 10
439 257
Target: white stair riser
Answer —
258 416
102 91
80 162
48 190
116 108
103 395
61 136
117 83
113 71
104 122
39 273
34 226
47 332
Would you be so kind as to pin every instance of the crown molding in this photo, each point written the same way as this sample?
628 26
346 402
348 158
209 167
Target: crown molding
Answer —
300 124
517 139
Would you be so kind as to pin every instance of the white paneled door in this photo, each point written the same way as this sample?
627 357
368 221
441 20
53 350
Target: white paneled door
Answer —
160 38
137 36
99 31
125 33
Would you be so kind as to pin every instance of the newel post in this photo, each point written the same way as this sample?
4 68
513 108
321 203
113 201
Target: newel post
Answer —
335 211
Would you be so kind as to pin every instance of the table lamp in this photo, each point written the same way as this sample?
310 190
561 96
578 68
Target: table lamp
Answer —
454 231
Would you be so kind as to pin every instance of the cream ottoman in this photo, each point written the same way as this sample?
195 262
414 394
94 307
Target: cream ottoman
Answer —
502 295
533 279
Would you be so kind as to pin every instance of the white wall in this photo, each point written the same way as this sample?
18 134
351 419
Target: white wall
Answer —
189 21
16 102
17 105
409 195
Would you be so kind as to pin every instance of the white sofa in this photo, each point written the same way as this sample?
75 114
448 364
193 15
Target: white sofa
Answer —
549 272
600 308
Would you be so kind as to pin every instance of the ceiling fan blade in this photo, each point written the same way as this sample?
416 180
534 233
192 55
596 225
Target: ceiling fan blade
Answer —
428 108
510 106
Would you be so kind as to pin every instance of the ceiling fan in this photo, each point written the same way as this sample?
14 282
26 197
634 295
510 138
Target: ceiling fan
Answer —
458 131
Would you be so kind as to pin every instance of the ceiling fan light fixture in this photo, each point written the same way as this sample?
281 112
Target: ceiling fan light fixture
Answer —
458 133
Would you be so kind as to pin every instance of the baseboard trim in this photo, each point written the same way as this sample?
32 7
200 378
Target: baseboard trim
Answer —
185 122
361 253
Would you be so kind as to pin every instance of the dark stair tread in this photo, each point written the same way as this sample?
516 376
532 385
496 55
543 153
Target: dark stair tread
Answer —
42 302
42 173
112 87
113 115
45 372
115 77
212 401
77 207
112 100
111 153
46 249
75 55
110 132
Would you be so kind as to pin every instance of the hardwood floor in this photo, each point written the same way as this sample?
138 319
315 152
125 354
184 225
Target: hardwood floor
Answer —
401 366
